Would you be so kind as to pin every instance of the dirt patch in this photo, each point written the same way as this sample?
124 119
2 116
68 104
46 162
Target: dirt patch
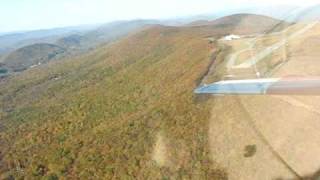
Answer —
160 152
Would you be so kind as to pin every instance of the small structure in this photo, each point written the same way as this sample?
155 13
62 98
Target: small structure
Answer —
35 65
231 37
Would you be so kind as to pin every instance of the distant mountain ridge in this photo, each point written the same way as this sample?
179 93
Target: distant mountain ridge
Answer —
71 41
61 45
243 24
19 39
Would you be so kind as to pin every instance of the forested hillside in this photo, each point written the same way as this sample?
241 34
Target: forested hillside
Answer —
125 110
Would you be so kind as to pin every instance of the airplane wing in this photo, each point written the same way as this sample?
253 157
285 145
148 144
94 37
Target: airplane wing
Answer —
273 86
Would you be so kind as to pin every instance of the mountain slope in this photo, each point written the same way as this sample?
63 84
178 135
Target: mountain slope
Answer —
125 110
31 55
100 115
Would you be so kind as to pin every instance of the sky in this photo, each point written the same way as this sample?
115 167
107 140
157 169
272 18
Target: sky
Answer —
18 15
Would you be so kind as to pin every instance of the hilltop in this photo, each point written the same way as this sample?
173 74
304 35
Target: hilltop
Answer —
245 22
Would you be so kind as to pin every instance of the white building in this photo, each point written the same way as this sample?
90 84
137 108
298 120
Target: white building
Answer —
231 37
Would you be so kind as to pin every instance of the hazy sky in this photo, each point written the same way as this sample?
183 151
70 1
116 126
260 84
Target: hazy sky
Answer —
37 14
